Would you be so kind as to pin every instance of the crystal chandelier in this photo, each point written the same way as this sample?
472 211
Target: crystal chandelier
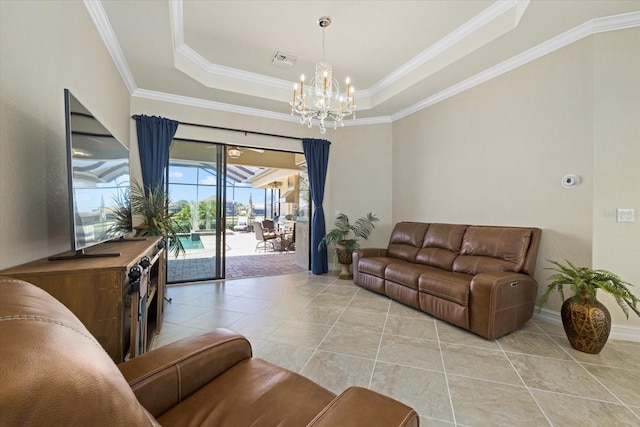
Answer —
321 98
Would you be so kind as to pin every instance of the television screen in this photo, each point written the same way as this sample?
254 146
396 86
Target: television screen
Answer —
98 167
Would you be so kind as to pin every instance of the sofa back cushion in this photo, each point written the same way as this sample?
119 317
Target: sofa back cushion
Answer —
441 245
492 249
406 240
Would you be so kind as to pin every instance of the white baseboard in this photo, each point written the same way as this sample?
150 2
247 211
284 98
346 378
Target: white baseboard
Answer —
618 332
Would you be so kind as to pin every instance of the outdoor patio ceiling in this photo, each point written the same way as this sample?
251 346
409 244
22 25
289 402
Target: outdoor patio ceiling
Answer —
239 173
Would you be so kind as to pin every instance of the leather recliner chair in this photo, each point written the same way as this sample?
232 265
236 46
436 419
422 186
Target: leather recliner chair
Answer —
53 372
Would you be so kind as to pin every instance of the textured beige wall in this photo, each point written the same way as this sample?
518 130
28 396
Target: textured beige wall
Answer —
359 179
496 154
616 159
47 46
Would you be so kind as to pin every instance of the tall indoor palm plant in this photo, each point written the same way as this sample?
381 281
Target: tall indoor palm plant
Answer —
347 234
345 237
152 208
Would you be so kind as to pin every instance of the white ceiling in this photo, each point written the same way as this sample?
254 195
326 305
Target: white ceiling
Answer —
401 56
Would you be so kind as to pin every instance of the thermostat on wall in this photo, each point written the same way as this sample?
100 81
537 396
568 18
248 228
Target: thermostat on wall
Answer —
570 181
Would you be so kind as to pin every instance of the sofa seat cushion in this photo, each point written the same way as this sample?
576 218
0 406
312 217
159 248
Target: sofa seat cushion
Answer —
252 393
375 265
446 285
436 257
493 249
405 273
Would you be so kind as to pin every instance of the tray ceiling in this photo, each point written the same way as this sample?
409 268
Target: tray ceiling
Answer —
401 56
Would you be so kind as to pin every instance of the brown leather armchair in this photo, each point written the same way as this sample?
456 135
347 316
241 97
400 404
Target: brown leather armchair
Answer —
53 372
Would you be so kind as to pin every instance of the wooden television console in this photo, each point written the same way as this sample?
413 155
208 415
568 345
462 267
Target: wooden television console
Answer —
124 315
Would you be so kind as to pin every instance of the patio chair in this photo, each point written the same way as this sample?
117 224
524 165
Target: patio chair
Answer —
291 240
286 241
269 225
242 224
263 237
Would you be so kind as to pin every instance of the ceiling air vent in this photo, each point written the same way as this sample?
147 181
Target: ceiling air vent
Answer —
283 59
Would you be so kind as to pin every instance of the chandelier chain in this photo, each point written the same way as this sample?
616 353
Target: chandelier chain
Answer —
323 49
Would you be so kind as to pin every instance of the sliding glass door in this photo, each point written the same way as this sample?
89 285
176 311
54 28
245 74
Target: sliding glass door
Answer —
196 181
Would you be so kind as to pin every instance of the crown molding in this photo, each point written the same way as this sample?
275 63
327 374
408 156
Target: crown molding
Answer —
598 25
368 121
186 58
211 105
615 22
177 21
474 24
101 21
219 106
220 70
182 49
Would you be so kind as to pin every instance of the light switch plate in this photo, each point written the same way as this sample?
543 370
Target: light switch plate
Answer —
625 215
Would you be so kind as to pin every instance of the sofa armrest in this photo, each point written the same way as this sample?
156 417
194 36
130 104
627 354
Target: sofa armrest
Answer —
364 253
165 376
370 252
358 406
500 302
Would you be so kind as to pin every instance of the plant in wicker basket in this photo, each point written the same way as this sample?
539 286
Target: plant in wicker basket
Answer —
345 236
586 321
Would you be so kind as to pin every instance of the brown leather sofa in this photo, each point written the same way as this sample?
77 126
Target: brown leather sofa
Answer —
477 277
53 372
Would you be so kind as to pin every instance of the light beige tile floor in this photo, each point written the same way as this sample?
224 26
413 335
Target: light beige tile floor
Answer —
339 335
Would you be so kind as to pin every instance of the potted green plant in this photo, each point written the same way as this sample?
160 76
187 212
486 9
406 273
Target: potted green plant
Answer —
345 236
153 209
586 321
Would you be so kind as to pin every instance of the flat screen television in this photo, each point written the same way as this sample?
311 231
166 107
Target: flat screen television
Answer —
98 173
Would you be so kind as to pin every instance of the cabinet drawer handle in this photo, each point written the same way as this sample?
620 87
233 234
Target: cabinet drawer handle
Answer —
145 262
135 273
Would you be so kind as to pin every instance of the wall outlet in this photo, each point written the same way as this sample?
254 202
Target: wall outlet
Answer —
625 215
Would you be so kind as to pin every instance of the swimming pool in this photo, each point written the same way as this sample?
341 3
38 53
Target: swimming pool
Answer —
191 242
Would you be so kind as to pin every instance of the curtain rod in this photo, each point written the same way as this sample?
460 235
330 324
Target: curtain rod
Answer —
135 116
